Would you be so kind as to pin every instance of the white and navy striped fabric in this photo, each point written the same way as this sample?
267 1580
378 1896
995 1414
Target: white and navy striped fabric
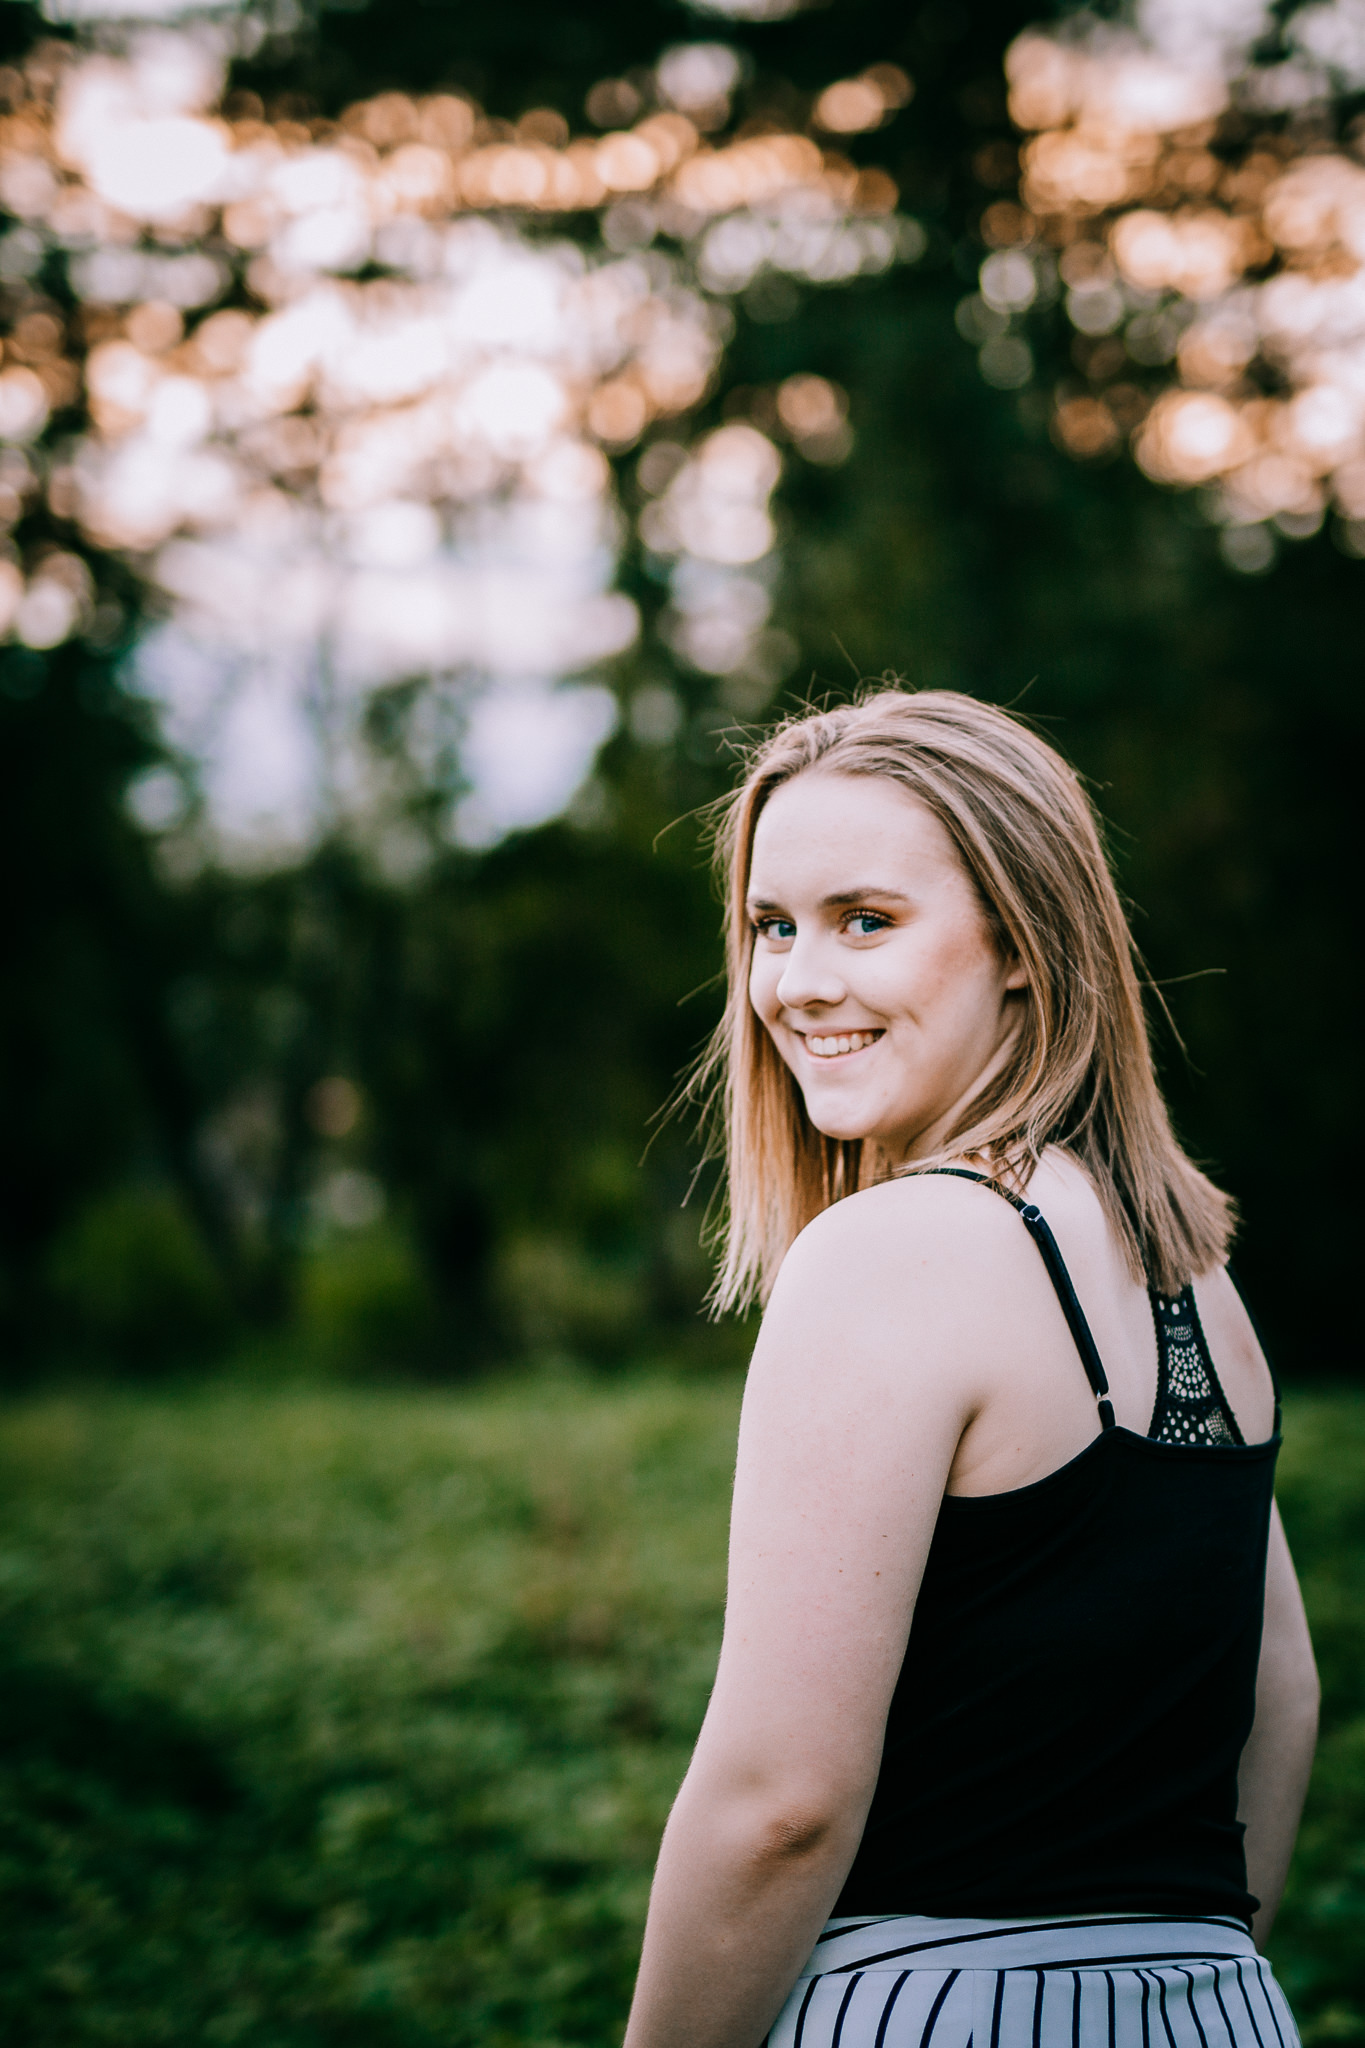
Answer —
1106 1982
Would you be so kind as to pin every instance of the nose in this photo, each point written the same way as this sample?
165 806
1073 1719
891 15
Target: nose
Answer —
810 976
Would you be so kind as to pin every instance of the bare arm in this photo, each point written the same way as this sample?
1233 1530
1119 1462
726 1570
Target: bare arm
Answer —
1279 1754
852 1414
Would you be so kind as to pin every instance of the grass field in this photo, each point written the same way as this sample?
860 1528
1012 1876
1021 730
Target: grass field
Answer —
346 1717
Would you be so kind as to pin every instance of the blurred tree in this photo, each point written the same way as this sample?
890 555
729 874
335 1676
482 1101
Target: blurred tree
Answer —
96 1090
509 1021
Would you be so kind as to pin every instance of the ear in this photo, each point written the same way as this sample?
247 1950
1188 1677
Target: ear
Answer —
1016 976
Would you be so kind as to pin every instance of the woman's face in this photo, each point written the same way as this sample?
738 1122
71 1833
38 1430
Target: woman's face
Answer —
873 968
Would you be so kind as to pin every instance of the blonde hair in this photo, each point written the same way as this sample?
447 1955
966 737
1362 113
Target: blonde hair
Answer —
1080 1074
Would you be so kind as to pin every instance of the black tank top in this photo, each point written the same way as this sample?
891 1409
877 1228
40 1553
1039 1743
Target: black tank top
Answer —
1080 1676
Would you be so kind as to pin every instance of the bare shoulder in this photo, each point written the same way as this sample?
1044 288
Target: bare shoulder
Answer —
909 1224
927 1258
886 1313
1237 1355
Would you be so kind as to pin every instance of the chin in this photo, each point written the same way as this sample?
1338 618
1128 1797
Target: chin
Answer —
844 1126
844 1130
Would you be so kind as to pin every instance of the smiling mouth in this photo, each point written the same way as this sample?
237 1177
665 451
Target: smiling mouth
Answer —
834 1045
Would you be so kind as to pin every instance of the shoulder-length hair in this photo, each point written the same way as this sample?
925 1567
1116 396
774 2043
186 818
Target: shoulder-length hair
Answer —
1080 1074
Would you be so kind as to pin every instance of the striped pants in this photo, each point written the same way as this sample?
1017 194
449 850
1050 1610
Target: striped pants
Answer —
1114 1982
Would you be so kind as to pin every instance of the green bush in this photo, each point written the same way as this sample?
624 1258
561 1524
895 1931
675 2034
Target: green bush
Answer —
553 1297
131 1280
364 1301
344 1719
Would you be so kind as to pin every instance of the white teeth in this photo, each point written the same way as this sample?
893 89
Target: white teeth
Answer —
850 1041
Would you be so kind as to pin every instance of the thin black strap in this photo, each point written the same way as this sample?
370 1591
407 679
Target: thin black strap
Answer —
1038 1229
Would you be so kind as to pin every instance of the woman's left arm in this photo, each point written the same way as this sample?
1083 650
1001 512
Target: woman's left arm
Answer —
1278 1759
856 1400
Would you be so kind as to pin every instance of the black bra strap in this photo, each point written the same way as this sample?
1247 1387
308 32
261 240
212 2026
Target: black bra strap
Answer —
1038 1229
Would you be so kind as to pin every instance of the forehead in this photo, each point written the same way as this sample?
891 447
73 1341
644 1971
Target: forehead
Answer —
827 831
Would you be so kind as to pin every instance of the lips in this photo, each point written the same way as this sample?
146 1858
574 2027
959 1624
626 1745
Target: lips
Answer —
832 1045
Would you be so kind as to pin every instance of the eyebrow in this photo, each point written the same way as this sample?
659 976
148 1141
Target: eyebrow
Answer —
841 898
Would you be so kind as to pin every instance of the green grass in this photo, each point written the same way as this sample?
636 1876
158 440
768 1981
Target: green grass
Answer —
352 1718
1319 1942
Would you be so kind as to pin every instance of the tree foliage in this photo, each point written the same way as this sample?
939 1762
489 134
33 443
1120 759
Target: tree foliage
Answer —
510 1021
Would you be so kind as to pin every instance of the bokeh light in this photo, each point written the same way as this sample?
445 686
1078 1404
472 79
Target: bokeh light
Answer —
1187 198
344 394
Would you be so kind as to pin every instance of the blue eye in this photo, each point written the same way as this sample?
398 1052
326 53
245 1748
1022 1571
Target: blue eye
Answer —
774 928
867 923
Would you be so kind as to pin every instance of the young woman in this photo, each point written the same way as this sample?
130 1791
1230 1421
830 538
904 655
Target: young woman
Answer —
1016 1701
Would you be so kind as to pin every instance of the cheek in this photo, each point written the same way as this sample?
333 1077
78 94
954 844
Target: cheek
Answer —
969 975
951 976
763 978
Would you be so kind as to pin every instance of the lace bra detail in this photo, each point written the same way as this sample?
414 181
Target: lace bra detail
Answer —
1191 1407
